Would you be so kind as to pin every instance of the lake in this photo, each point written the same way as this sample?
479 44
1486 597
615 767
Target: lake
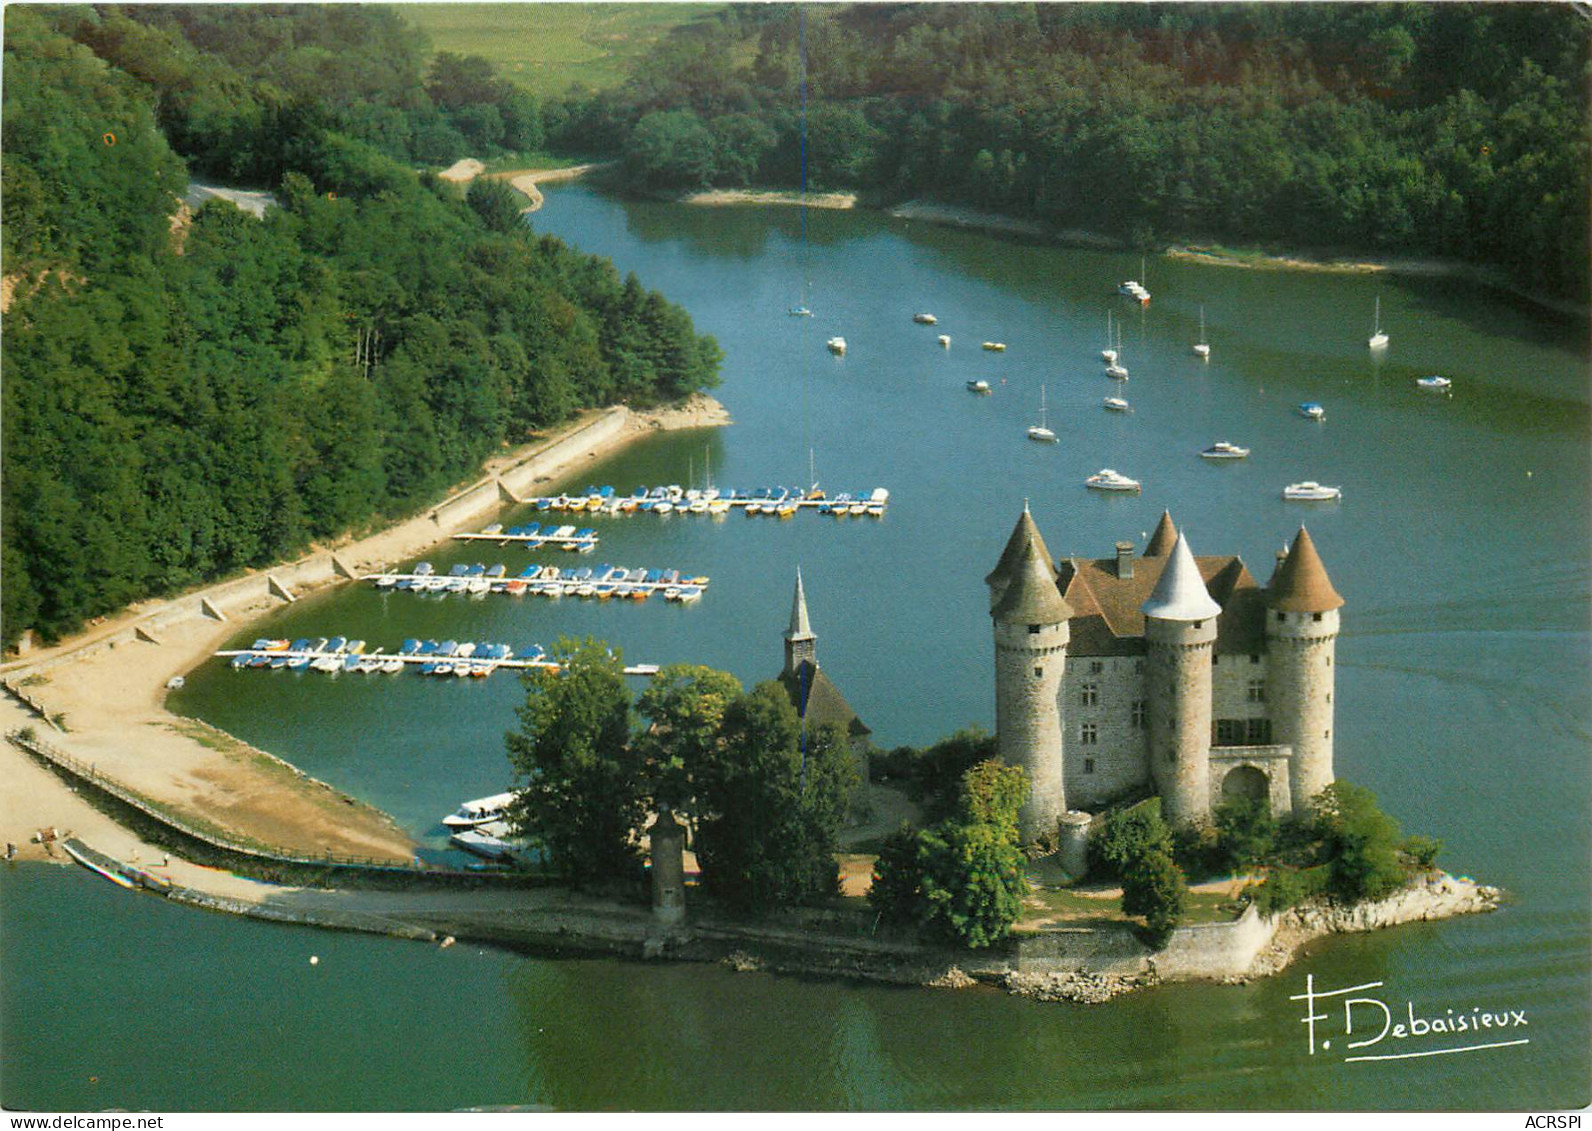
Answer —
1460 547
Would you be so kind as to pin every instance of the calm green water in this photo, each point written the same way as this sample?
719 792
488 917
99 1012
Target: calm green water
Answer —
1461 548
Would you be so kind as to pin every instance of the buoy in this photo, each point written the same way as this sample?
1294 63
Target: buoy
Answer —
315 960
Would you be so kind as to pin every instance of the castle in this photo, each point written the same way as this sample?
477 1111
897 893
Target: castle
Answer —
1161 670
817 700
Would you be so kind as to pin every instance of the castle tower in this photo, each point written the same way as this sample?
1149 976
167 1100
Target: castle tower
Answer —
1180 631
1022 534
1301 640
1031 634
1164 539
801 643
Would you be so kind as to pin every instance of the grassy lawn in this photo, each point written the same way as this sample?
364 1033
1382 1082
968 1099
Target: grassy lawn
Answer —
547 48
1071 905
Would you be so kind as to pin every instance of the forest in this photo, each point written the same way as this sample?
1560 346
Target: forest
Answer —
1455 130
187 395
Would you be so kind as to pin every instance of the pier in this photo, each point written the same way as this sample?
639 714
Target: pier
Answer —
779 502
535 536
602 582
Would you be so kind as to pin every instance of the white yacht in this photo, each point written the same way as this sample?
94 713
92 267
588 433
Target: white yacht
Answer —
945 340
1202 348
924 319
1107 480
1116 404
1378 339
480 811
1310 492
1434 384
837 345
979 387
1310 410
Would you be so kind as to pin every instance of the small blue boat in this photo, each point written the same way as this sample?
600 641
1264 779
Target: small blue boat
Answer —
302 644
336 644
241 660
447 647
409 647
423 569
498 570
428 667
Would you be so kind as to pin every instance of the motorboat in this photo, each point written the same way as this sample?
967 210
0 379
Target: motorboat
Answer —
994 347
490 841
837 346
1434 384
1107 480
1310 410
1116 404
1310 492
924 319
799 312
1041 431
979 387
945 340
1223 450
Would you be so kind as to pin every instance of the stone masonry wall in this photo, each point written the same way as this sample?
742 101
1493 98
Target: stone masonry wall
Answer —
1301 652
1027 716
1120 749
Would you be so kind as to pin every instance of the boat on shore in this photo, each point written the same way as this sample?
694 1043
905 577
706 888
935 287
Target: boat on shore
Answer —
1223 450
1310 491
1108 480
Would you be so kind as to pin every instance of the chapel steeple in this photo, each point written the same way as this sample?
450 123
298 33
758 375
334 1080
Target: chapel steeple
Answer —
801 643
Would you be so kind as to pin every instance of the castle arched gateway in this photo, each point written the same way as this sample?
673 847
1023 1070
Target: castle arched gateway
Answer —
1246 783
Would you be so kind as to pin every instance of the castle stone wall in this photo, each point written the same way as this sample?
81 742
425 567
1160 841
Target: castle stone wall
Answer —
1119 752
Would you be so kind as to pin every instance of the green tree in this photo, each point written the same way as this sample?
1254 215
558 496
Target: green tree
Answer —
498 205
582 798
1360 843
896 890
769 804
1127 835
671 149
1153 886
1246 832
684 708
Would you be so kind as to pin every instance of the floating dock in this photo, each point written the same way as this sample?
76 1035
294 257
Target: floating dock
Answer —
534 536
601 582
481 659
778 502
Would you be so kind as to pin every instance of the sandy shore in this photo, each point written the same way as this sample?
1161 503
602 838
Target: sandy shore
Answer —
838 200
526 180
463 171
108 687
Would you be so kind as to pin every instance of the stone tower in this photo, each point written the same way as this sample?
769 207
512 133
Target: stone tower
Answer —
1031 634
1301 639
667 852
1180 632
801 643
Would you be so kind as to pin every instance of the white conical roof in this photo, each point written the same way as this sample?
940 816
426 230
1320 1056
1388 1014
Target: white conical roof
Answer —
1180 594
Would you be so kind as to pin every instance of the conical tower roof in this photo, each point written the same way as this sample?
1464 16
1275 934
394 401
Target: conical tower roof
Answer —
1300 584
1164 538
1180 594
1022 534
800 627
1031 596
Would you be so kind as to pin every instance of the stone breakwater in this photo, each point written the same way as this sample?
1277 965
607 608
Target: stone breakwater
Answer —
1078 986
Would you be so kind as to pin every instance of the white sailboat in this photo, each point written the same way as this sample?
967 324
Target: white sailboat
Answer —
1040 431
1109 354
1114 368
1202 348
1378 339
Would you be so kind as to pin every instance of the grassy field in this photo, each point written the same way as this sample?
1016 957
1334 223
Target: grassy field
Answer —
546 47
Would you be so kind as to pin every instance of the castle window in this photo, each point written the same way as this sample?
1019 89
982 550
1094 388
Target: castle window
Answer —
1088 734
1091 694
1088 765
1215 659
1329 697
1257 732
1141 714
1326 734
1096 667
1230 732
1255 692
1282 618
1199 624
1033 630
1253 658
1039 673
1329 661
1316 617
